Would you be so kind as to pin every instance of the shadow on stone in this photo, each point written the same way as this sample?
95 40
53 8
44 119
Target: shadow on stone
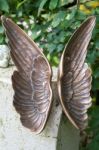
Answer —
68 136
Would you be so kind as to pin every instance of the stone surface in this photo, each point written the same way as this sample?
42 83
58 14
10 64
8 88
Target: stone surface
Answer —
4 56
58 134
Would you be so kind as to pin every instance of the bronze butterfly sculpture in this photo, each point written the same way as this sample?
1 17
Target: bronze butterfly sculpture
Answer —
32 80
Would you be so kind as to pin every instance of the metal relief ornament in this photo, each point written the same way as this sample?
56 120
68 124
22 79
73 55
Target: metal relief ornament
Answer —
74 78
31 82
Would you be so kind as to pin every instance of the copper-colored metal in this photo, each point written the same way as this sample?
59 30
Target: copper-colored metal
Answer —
31 82
33 94
74 78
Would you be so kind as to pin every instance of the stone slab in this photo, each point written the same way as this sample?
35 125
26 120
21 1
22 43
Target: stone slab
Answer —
58 134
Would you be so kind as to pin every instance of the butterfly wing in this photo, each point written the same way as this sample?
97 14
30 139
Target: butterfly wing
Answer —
74 81
31 81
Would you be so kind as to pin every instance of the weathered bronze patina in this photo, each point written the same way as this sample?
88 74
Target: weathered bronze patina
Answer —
31 82
74 82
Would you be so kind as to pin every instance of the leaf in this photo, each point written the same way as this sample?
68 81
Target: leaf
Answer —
93 4
91 57
62 36
1 29
97 42
43 2
20 4
94 113
56 60
94 129
4 5
84 9
72 14
60 48
49 37
97 10
96 84
94 145
80 15
58 18
96 73
48 57
35 34
1 39
53 4
51 47
64 2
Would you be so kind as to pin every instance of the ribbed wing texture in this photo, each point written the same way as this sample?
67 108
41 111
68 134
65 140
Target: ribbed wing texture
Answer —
75 77
31 82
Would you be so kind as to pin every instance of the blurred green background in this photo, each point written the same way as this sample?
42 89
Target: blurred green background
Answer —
50 23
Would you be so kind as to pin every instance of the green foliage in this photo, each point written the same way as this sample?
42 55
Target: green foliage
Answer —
43 2
92 138
50 23
4 5
53 4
